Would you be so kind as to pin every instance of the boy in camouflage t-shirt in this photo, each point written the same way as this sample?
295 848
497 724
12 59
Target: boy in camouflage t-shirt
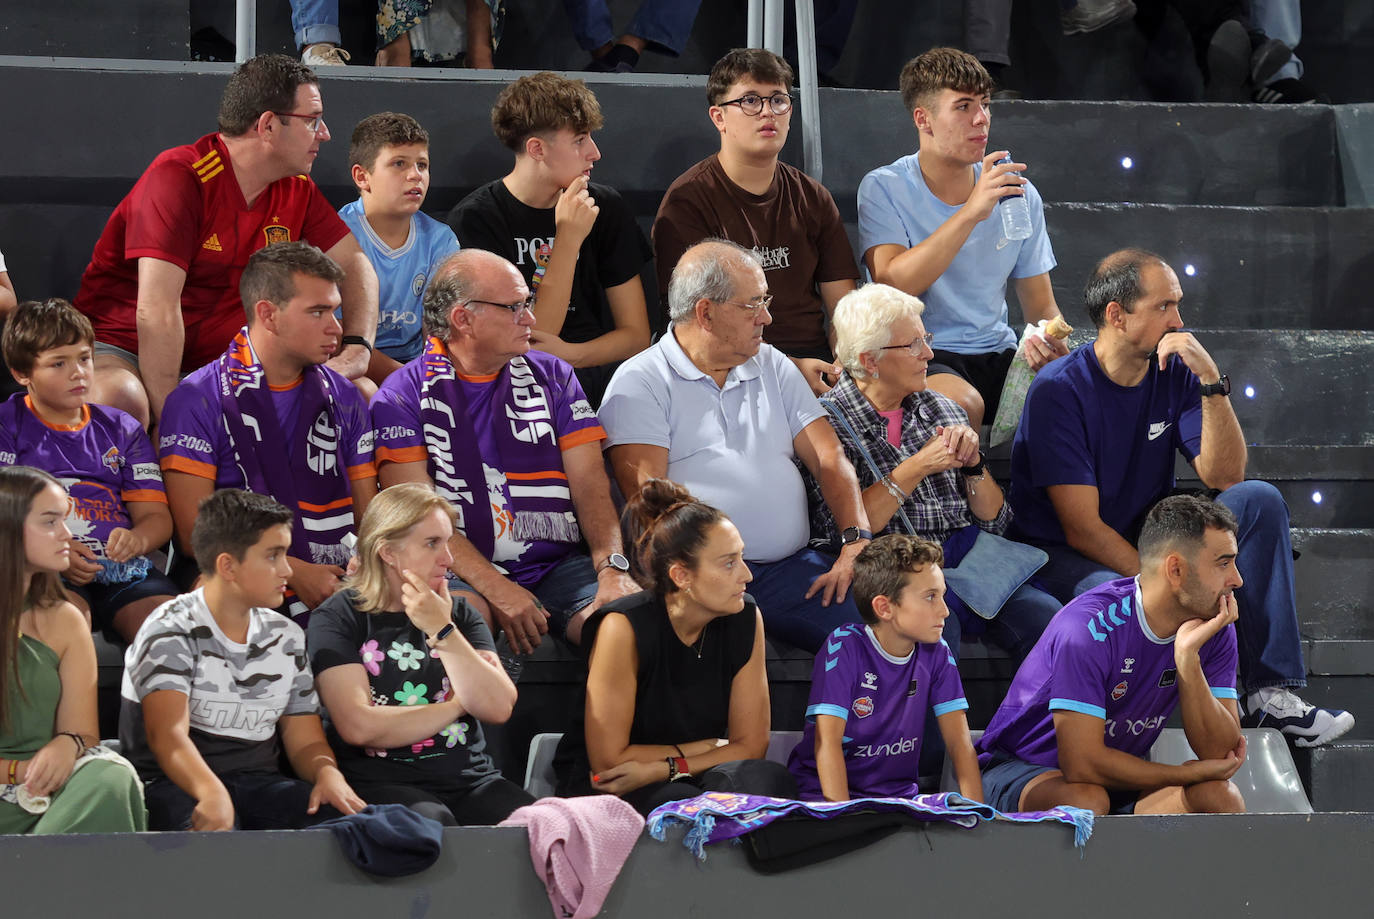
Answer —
216 682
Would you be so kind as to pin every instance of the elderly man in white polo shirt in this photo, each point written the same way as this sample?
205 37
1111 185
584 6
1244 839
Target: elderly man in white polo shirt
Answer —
713 408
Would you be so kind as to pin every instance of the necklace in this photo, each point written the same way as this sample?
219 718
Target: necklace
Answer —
701 642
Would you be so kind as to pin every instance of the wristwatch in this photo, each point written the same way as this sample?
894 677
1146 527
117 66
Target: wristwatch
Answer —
853 534
976 472
614 560
355 340
1221 387
448 629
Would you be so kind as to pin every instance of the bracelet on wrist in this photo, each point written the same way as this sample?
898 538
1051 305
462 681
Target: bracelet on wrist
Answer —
894 489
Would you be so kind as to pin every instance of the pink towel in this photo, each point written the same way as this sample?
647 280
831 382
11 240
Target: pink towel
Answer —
578 846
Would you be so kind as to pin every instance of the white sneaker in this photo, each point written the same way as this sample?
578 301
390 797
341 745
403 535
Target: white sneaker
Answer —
324 54
1308 725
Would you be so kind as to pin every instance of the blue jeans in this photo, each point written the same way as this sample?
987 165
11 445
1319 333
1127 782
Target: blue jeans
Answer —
315 20
779 588
1267 634
664 24
262 801
564 590
1016 627
1281 19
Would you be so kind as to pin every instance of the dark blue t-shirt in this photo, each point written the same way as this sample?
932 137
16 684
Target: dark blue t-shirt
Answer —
1080 428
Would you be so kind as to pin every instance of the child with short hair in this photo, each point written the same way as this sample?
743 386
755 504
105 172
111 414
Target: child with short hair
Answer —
389 163
100 455
217 683
873 685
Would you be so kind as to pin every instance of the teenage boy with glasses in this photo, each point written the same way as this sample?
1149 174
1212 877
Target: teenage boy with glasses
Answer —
743 194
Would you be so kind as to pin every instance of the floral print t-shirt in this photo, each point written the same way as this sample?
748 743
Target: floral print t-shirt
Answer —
401 670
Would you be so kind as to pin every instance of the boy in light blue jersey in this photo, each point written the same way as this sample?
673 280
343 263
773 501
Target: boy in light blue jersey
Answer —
389 157
873 685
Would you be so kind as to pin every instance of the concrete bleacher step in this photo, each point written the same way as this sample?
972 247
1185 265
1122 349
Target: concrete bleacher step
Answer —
1336 776
1254 267
1074 151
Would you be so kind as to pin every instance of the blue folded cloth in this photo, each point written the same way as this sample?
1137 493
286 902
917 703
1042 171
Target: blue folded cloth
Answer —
388 839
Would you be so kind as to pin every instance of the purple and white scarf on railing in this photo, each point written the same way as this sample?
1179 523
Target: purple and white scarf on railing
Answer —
717 816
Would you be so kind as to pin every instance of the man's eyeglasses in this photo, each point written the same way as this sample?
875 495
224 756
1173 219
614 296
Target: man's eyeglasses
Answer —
515 309
754 306
313 123
779 103
916 346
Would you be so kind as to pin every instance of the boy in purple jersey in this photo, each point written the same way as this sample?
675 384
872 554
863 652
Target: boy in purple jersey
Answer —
872 686
1090 700
507 435
100 455
268 416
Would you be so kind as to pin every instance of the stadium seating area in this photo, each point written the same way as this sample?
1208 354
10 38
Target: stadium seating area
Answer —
1268 211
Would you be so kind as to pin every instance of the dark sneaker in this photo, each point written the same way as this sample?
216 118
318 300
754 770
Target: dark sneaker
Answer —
1267 58
1228 64
1091 15
1289 91
1306 725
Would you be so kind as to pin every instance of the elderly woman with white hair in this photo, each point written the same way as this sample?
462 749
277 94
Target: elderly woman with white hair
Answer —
921 471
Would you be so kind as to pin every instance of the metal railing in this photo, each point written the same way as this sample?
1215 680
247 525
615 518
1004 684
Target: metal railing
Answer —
766 31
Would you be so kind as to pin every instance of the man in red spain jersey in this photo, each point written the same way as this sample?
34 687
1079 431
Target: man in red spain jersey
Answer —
162 287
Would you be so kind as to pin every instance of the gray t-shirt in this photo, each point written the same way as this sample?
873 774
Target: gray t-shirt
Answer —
236 693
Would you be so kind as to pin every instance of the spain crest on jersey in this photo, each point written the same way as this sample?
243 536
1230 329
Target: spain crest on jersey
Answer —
276 234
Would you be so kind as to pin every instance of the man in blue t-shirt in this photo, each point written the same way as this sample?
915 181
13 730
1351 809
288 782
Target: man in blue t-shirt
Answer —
929 224
1084 709
1095 450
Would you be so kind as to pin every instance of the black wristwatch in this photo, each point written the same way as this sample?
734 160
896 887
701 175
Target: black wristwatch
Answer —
355 340
853 534
614 560
975 472
448 629
1221 387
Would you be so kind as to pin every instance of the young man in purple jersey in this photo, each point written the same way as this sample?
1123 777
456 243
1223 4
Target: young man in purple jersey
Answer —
873 685
1091 698
100 455
269 416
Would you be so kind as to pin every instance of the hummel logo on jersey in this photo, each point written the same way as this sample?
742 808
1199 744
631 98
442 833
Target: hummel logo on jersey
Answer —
1127 664
1157 429
212 243
870 680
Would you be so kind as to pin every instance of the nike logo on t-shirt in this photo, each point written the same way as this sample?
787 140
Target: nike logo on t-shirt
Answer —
1158 428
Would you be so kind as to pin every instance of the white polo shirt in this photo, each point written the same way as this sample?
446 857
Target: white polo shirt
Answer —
730 445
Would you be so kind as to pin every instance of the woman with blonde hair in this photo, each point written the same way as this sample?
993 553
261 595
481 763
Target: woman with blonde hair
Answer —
49 783
407 672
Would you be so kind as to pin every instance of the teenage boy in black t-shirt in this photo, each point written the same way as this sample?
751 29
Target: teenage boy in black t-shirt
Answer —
575 242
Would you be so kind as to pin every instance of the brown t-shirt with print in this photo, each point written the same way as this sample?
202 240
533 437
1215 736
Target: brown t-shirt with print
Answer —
794 228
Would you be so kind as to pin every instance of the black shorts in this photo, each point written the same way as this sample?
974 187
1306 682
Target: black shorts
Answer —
984 372
105 600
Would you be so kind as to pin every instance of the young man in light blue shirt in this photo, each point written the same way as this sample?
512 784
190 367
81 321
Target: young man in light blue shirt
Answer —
929 225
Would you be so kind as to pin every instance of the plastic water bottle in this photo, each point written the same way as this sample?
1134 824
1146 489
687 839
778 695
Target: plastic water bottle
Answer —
1016 221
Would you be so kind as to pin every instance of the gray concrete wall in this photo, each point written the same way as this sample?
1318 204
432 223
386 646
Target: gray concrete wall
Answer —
1147 867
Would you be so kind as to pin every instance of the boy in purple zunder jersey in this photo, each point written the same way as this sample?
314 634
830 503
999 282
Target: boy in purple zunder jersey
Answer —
1091 698
873 685
100 455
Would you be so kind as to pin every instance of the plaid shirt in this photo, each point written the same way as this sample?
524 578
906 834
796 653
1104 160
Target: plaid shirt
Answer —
937 506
